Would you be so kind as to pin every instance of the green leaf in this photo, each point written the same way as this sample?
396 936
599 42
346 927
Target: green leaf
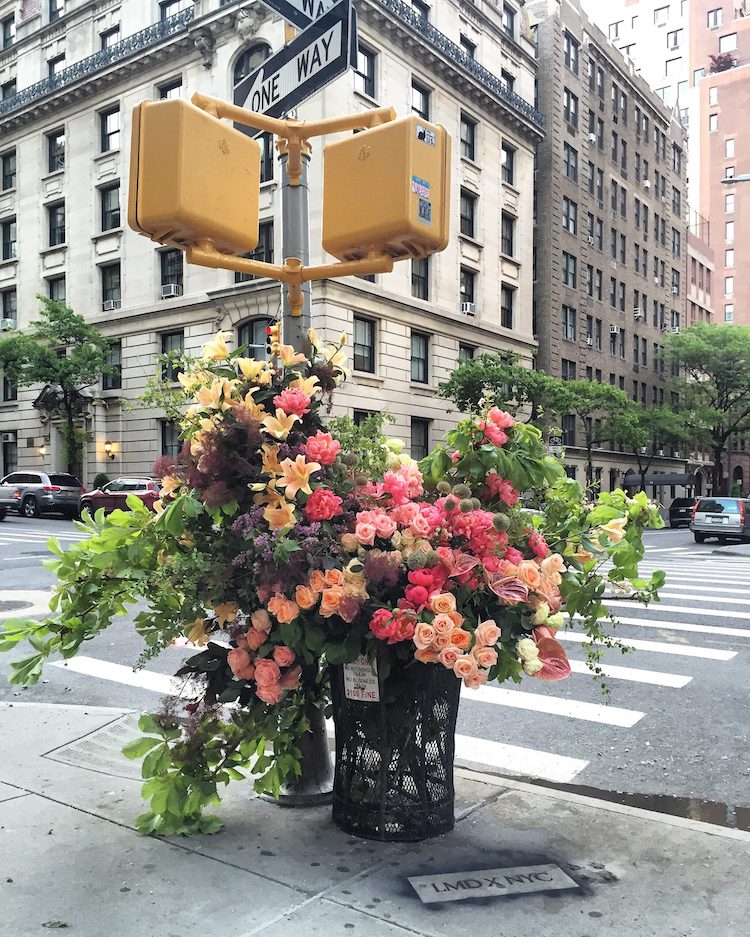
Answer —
210 825
138 747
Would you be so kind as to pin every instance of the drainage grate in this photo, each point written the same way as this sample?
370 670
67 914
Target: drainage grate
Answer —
101 750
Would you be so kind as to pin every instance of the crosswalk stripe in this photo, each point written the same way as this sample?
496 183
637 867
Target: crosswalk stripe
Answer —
682 609
656 647
684 583
35 538
119 673
524 761
701 598
634 674
555 706
668 550
678 580
680 626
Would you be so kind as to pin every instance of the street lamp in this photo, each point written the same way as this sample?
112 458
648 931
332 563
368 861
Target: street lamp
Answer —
743 177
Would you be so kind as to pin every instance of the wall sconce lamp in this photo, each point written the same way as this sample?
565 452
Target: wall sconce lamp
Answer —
109 449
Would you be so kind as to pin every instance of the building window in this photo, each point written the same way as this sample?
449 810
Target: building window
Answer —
567 370
420 344
420 437
252 337
170 439
7 31
507 301
263 251
729 312
507 234
10 390
467 285
466 352
56 224
468 213
55 65
468 137
729 232
570 215
56 289
570 162
364 345
420 277
729 257
171 268
8 170
169 8
359 416
56 9
109 38
56 151
113 380
568 323
568 425
728 43
110 203
729 148
569 270
613 31
9 304
421 9
729 286
469 47
508 80
571 52
420 100
8 90
508 164
715 18
674 38
109 127
729 204
111 293
509 21
570 108
364 71
170 90
173 345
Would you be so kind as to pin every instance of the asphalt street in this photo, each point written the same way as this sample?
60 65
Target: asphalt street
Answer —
675 722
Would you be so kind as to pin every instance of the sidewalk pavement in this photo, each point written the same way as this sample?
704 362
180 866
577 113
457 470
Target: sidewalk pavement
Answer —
70 859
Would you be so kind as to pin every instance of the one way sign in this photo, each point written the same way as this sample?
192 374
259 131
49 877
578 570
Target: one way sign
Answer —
300 12
319 54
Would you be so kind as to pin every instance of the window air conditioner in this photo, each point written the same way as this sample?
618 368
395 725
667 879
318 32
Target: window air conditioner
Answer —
7 324
638 314
109 304
469 309
643 450
661 452
675 290
676 454
614 329
590 239
656 281
589 342
592 137
8 437
675 330
170 289
646 183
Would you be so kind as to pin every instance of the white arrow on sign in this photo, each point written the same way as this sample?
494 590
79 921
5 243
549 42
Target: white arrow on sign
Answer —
300 12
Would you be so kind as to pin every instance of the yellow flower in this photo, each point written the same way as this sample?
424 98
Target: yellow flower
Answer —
218 396
216 349
197 633
188 381
527 649
615 529
169 484
280 515
198 443
541 614
256 410
251 368
297 475
308 385
278 426
158 506
314 340
226 612
187 540
271 459
289 356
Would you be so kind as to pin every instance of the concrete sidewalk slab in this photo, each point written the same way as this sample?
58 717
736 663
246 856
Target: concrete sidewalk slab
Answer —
70 852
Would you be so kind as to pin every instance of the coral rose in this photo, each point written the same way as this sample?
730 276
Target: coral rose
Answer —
465 666
334 577
426 655
442 603
256 639
487 633
305 597
476 680
239 662
530 574
460 638
485 656
270 694
330 600
322 505
283 655
424 635
323 448
261 620
282 608
448 656
317 581
266 672
290 680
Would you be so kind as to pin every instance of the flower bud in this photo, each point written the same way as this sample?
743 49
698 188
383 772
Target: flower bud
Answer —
443 487
476 503
501 522
361 479
465 505
462 491
350 458
415 560
450 504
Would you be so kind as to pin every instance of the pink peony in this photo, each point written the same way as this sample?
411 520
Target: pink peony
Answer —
266 672
538 544
501 418
495 435
284 656
513 556
293 401
269 693
322 505
290 680
323 448
417 596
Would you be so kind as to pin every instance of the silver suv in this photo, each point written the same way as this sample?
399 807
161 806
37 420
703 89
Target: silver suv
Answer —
35 493
723 518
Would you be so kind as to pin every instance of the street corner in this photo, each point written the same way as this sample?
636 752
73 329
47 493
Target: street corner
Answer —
24 603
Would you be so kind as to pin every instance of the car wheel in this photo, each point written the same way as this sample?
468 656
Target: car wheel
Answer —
699 538
71 515
29 507
722 539
2 514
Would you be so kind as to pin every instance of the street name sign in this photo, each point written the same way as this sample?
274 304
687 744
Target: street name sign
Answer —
320 53
300 12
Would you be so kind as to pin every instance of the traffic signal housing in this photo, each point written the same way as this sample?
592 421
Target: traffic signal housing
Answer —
386 191
194 179
273 339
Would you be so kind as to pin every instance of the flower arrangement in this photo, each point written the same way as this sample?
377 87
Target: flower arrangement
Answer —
277 555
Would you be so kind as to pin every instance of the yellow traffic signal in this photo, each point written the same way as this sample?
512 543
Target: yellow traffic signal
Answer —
387 190
273 340
194 179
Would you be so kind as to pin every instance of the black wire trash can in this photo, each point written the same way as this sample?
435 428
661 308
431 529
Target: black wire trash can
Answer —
394 758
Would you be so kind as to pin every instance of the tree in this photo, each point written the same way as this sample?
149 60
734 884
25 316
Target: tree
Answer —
716 361
64 352
645 430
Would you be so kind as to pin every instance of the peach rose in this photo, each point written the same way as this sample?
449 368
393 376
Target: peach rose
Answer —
349 543
552 566
261 620
424 635
426 655
443 641
448 657
487 633
465 666
283 655
529 574
255 639
443 603
485 656
282 608
305 596
443 623
330 600
460 638
239 662
456 618
334 577
385 526
266 672
317 581
290 680
270 694
477 680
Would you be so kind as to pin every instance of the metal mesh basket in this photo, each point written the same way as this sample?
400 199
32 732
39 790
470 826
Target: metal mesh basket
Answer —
394 759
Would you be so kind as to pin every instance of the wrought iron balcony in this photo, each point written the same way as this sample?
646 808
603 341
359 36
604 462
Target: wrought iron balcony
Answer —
121 50
443 44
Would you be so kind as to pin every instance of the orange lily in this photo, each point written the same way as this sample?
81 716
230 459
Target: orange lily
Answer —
216 349
280 515
289 356
279 425
297 475
271 464
308 385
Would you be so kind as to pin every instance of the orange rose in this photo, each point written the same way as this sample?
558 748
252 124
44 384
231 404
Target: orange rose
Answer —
460 638
485 656
449 656
317 581
282 608
330 600
426 655
529 574
443 603
334 577
465 666
305 596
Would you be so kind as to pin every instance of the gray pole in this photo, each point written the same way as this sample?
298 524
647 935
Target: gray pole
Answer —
295 241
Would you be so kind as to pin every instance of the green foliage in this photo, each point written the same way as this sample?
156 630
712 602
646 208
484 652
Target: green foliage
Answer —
100 479
366 441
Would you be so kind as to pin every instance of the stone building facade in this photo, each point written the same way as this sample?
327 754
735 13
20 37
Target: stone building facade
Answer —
71 72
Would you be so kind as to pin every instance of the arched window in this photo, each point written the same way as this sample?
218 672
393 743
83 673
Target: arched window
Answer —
253 334
251 59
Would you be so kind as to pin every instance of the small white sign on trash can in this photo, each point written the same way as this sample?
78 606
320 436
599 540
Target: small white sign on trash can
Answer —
361 681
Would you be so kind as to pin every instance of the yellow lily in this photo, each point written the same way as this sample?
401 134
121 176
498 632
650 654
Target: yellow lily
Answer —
280 515
218 395
289 356
169 484
615 529
314 340
308 385
279 426
216 349
297 475
271 464
251 368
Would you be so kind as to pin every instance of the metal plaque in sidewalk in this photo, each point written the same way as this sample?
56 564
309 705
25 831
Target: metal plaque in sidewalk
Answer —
491 883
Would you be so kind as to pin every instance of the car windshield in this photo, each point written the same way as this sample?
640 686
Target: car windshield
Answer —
65 481
719 506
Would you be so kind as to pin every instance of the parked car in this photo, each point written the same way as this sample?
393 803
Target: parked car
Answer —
36 493
723 518
681 512
114 494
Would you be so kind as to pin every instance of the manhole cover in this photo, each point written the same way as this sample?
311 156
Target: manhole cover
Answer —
12 606
101 750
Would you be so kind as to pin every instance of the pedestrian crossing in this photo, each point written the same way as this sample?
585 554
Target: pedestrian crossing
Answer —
696 636
33 535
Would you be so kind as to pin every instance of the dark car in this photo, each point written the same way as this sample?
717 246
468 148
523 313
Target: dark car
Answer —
36 493
723 518
114 494
681 512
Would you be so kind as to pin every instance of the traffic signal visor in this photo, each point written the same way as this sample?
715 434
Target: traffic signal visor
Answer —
193 178
386 191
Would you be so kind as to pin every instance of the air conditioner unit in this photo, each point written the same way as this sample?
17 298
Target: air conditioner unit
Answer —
613 264
661 452
643 450
637 315
469 309
676 454
8 437
675 290
656 281
590 239
592 137
614 329
675 330
7 324
109 304
170 289
646 184
589 342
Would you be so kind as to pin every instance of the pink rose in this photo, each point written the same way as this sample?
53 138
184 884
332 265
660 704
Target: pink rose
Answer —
465 666
421 526
266 672
239 662
487 633
293 401
384 525
284 656
255 639
290 680
424 635
323 448
443 640
365 534
485 656
455 456
501 418
261 620
448 656
270 693
476 680
322 505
